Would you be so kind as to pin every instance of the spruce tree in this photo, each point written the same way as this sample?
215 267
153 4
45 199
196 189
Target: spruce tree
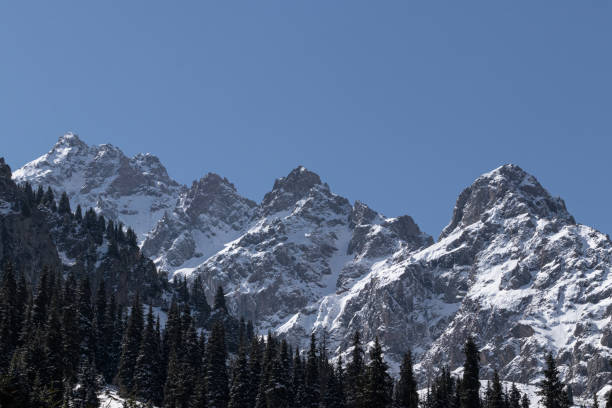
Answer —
130 348
145 371
53 371
297 380
70 329
609 401
312 391
64 204
525 401
216 373
355 375
551 388
10 316
49 198
470 383
239 393
85 319
570 394
219 303
406 394
514 399
85 393
78 213
379 385
595 401
334 397
496 399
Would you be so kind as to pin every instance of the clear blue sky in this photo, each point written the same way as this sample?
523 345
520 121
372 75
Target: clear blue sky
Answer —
397 104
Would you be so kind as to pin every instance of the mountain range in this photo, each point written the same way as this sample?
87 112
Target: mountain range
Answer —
512 268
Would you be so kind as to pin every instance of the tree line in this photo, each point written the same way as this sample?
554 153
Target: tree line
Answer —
60 343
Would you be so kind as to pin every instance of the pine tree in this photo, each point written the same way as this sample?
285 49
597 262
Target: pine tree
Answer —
406 395
85 393
277 393
174 388
496 399
570 394
145 371
514 399
334 397
216 373
85 319
379 385
101 347
551 389
312 391
191 366
64 204
70 329
297 380
595 402
609 401
10 316
525 401
355 375
53 371
220 300
49 199
239 393
471 371
78 214
130 348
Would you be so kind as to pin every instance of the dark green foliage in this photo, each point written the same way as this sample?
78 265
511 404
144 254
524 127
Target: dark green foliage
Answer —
64 205
146 371
379 385
220 300
312 392
239 393
216 371
470 383
406 395
551 388
130 348
355 377
514 399
84 394
525 401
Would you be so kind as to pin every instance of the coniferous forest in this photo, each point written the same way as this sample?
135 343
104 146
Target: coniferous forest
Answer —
64 336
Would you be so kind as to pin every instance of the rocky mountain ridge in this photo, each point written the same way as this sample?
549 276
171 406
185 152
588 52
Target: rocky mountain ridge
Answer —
512 267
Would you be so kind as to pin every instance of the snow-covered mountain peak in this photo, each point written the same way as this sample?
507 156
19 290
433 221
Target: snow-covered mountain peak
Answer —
135 191
290 189
214 195
70 139
506 192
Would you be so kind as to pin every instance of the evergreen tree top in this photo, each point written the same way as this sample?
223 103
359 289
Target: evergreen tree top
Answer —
220 300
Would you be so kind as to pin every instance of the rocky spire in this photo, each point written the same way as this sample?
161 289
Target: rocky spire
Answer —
290 189
505 192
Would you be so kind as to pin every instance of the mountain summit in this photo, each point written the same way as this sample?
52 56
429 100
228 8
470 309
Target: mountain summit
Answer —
135 191
505 192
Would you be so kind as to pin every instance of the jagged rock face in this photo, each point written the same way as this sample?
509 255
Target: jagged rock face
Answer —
304 247
206 216
136 191
513 269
